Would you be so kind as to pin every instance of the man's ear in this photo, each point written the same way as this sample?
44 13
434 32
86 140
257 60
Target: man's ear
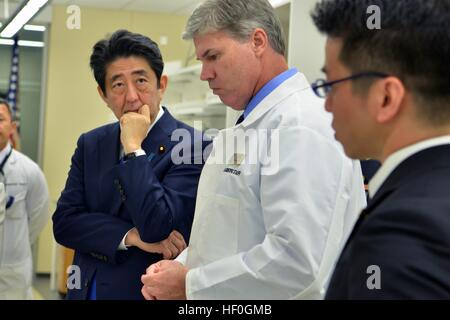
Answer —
388 95
163 85
101 94
259 41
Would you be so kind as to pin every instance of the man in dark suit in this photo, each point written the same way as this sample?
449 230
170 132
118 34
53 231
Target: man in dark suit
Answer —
129 200
388 89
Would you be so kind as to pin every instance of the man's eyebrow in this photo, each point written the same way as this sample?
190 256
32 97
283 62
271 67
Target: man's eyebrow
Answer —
115 77
140 72
204 54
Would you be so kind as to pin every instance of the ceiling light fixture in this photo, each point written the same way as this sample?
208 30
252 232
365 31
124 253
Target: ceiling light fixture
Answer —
22 43
278 3
27 10
32 27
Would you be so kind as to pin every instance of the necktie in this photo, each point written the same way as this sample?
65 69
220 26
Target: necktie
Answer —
240 119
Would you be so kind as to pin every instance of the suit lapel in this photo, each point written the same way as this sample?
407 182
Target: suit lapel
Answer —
109 149
158 141
107 157
156 145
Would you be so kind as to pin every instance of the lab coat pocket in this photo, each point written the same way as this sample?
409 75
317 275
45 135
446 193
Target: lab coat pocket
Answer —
17 209
15 243
222 241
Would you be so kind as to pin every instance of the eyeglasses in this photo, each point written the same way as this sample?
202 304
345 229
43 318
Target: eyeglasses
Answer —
322 88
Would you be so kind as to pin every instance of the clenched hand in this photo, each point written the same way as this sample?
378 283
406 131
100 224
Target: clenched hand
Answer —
134 127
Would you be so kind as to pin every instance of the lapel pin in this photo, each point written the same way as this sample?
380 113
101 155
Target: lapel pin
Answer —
162 149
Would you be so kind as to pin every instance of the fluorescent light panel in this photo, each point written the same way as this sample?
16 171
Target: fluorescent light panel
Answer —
24 15
22 43
32 27
278 3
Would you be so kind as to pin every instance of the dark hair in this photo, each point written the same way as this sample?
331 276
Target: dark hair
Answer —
412 44
3 101
124 44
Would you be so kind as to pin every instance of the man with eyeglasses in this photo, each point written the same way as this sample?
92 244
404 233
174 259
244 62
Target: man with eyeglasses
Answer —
26 204
388 90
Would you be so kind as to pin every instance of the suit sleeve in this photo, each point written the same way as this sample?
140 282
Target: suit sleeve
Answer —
95 233
159 206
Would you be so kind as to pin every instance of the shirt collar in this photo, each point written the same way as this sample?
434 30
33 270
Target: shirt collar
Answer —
158 116
398 157
267 89
5 152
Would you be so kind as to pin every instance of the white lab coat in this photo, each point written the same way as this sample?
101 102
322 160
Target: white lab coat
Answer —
273 230
21 225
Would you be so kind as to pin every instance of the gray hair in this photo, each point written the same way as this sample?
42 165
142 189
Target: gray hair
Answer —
239 18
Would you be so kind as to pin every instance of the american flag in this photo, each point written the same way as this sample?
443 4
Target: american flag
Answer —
13 90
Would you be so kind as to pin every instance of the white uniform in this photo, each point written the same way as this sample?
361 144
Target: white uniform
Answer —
21 225
273 229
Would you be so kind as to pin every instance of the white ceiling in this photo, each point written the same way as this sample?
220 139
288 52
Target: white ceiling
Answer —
184 7
168 6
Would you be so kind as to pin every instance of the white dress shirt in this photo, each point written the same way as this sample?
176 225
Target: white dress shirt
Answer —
398 157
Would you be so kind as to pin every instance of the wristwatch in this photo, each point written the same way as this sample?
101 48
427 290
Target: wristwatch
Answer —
134 154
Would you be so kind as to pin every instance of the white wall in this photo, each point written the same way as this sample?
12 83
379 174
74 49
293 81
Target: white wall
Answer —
306 44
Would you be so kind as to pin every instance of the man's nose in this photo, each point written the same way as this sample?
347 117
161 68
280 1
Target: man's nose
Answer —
206 74
132 94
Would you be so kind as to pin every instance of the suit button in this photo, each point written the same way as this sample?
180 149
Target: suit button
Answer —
116 182
86 283
124 198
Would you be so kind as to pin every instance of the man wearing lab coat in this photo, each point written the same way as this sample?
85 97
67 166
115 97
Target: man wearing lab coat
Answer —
26 201
277 197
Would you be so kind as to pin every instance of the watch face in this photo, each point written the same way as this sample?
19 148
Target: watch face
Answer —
129 156
134 154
